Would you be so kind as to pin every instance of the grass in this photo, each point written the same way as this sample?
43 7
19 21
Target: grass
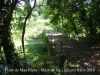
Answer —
37 58
35 48
34 45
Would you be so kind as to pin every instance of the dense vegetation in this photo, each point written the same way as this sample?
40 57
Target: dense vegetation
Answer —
18 21
76 18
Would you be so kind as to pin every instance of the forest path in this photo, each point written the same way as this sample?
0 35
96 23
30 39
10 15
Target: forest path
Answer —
76 53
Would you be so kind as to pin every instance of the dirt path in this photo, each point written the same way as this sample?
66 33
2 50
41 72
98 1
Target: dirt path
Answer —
76 53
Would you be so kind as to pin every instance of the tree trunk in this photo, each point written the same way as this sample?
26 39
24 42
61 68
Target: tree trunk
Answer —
9 50
6 42
24 26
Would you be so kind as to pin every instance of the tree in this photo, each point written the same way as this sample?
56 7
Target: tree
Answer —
7 8
76 17
6 12
29 11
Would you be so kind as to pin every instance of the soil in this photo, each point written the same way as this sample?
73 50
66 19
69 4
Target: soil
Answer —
78 55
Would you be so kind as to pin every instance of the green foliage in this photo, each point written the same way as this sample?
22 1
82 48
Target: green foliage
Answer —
35 15
75 18
37 58
47 24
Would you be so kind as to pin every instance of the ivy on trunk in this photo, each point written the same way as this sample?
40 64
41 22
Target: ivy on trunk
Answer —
6 41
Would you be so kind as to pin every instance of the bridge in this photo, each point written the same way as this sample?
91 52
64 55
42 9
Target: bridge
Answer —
77 54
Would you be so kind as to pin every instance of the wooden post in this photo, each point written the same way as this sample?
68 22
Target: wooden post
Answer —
61 45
